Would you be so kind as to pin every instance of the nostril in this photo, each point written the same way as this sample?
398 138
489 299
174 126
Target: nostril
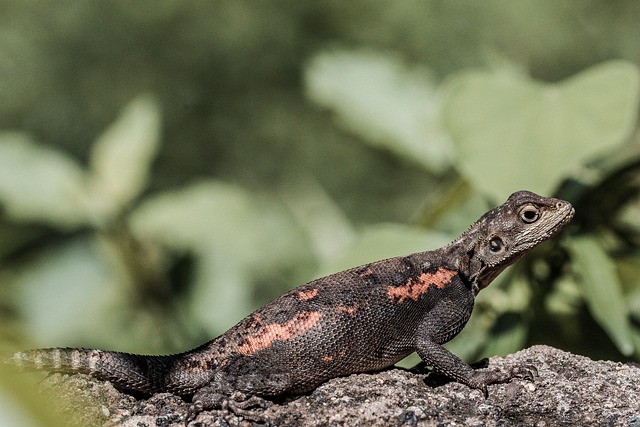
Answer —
560 205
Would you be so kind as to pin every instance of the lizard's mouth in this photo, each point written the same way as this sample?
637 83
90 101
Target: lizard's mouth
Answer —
567 216
563 216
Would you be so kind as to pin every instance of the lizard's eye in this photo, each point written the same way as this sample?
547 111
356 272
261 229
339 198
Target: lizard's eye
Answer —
529 214
496 245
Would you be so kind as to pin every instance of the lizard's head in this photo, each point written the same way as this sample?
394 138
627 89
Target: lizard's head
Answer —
503 235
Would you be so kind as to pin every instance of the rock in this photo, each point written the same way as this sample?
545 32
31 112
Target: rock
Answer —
570 390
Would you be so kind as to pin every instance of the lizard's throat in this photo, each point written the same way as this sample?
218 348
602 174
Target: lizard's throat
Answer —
487 273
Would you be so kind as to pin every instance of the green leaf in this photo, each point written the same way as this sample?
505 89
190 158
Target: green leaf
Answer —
516 133
195 216
121 157
596 273
38 183
385 102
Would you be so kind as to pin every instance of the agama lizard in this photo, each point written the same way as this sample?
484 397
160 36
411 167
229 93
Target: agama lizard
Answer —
363 319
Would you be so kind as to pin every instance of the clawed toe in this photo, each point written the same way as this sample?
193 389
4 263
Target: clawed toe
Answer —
194 409
238 404
248 407
526 372
242 401
480 380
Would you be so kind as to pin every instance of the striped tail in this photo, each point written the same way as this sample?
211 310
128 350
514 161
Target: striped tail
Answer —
147 374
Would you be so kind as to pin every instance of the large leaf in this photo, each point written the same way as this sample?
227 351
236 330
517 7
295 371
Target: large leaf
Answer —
602 291
385 102
195 216
40 184
516 133
121 157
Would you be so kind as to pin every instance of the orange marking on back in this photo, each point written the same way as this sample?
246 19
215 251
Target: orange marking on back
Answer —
331 357
365 273
255 321
416 288
349 309
266 335
307 295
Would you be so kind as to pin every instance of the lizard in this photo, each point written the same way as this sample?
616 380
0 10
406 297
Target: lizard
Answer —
363 319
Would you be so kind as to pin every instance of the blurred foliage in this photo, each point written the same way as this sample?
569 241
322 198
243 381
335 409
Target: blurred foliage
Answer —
166 167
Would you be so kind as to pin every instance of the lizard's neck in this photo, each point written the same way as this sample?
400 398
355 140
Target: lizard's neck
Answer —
461 254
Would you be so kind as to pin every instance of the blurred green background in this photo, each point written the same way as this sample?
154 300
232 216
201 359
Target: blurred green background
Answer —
167 166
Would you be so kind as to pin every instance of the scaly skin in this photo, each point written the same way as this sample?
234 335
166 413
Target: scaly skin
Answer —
363 319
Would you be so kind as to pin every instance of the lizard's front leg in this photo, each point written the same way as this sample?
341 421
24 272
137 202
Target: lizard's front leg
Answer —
445 362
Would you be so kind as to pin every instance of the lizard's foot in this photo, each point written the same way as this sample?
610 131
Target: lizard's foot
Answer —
248 407
204 399
238 404
481 379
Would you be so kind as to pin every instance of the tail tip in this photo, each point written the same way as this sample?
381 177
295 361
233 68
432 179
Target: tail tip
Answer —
35 359
18 359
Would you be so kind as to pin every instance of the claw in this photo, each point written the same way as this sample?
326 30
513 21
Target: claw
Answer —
480 380
237 404
526 372
248 407
533 371
192 413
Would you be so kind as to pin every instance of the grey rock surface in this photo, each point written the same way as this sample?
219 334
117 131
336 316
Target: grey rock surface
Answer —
570 390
